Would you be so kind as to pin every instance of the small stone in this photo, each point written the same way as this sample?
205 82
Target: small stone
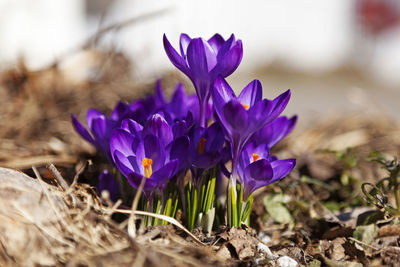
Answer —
286 261
264 237
262 248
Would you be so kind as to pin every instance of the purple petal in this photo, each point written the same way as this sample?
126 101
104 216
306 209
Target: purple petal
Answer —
259 170
207 160
225 47
184 43
216 42
275 131
282 168
180 150
174 57
99 128
159 127
119 111
222 92
123 142
91 115
251 94
229 62
81 130
261 114
159 97
280 103
164 173
235 115
201 58
178 104
154 150
107 182
133 127
123 163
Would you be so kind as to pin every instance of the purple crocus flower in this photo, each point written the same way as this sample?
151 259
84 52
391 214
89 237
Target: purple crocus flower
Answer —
274 132
257 169
205 146
180 104
242 116
100 126
202 61
144 152
107 182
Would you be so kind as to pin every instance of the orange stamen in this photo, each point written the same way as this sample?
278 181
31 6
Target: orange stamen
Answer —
200 145
245 106
147 167
255 157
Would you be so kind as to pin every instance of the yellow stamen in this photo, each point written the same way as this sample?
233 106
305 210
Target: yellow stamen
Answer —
255 157
147 167
200 145
245 106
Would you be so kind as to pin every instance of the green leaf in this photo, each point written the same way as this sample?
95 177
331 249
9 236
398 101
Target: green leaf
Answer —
366 233
277 210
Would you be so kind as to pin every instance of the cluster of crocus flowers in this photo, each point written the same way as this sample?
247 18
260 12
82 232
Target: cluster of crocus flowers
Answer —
156 143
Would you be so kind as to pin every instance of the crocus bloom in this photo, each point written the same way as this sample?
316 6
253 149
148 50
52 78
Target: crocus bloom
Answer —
205 149
144 152
257 169
242 116
274 132
100 126
202 61
107 182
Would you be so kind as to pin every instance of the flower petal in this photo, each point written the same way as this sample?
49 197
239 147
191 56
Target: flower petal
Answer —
159 97
201 58
207 160
282 168
280 103
81 130
133 127
159 127
275 131
164 173
107 182
251 94
154 150
119 111
180 150
174 57
235 115
178 104
184 43
230 61
123 142
216 42
91 115
100 129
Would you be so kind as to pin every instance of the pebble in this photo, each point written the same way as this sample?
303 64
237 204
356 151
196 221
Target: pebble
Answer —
286 261
265 249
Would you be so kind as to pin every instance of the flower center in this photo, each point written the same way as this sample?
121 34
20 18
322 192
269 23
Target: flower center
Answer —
200 145
245 106
147 167
255 157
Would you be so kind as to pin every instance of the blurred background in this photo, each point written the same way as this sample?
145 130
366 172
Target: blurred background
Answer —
335 55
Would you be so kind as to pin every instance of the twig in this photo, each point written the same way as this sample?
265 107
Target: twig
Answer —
131 220
362 243
58 176
165 218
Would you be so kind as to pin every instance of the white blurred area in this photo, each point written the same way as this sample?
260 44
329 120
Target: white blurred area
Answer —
307 36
